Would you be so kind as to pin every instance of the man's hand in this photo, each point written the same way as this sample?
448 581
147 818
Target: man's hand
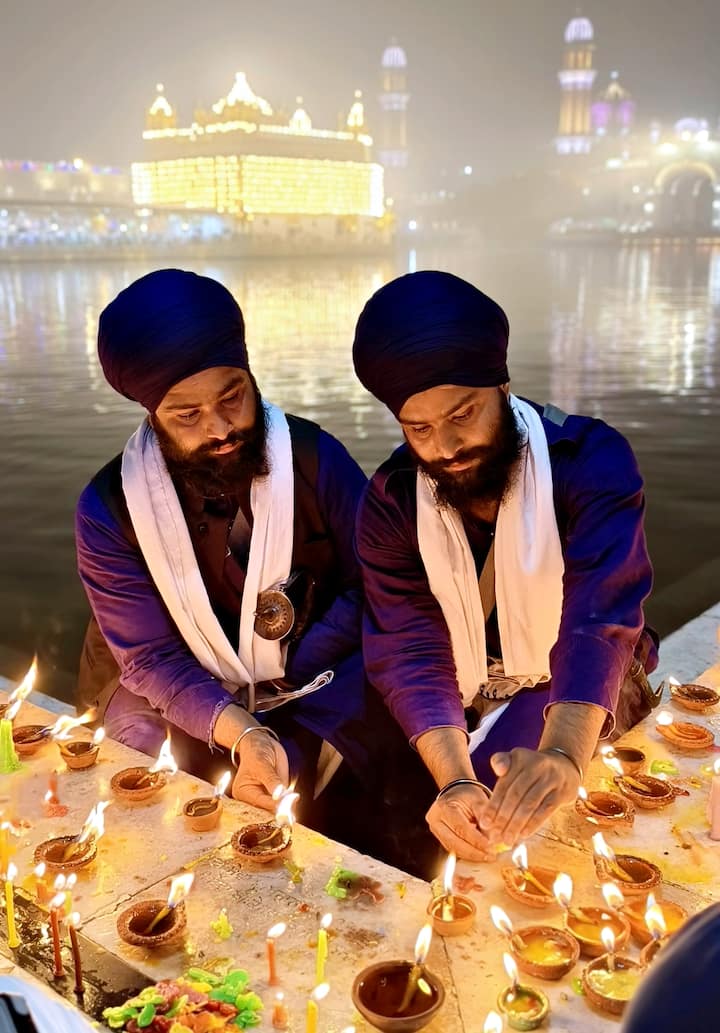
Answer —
530 786
263 766
457 820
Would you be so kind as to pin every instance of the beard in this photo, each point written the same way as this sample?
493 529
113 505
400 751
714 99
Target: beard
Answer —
491 476
210 475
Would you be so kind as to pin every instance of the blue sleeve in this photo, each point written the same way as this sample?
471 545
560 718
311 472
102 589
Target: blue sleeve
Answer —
337 632
154 661
607 569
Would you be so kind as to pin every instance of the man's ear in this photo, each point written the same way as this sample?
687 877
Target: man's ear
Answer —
505 388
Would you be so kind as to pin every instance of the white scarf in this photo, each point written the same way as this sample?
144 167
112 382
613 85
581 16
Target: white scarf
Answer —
528 569
164 539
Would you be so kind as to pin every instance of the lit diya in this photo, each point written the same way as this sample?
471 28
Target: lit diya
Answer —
586 923
538 950
606 809
29 738
637 876
524 1007
81 753
156 923
693 697
611 980
656 924
202 813
66 852
629 758
532 886
135 785
267 840
684 735
672 917
399 996
451 914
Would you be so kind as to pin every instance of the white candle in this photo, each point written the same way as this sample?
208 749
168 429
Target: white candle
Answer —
713 804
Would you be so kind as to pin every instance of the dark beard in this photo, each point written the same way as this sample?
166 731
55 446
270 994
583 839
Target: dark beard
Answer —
210 475
490 479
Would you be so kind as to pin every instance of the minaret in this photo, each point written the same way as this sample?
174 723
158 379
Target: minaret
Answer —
160 114
576 80
392 143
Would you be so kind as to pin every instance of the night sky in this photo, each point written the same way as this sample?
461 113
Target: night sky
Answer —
78 74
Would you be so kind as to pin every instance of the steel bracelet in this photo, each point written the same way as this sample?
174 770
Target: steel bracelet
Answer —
246 731
462 782
568 756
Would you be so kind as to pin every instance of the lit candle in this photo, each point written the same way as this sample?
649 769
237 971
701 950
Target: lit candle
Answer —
72 922
9 760
608 938
12 935
493 1023
57 904
179 889
273 933
448 903
713 804
280 1016
311 1023
322 949
41 890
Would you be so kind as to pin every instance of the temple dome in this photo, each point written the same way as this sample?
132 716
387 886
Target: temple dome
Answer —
394 57
579 30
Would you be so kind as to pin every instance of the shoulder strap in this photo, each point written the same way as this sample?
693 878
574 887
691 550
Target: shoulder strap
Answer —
554 414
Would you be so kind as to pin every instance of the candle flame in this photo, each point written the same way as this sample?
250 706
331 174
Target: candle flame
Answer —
23 690
422 944
493 1023
610 760
39 870
511 968
449 874
57 902
222 783
70 881
664 718
716 766
94 826
326 921
612 895
500 920
582 793
655 919
59 883
73 919
321 991
608 938
99 736
284 813
519 857
276 930
563 889
11 872
179 888
165 760
673 681
12 710
65 724
602 849
278 792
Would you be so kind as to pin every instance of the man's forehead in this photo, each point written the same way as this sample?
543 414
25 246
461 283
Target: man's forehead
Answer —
438 402
203 385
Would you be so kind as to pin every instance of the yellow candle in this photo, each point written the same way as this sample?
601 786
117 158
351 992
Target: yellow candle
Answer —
312 1016
13 940
322 949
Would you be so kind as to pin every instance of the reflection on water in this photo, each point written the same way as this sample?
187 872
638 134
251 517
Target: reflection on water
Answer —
630 336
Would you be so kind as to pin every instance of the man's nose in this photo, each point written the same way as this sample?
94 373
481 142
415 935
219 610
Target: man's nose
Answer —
217 426
448 442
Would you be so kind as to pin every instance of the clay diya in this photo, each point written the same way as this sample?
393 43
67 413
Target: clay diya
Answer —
683 735
629 758
133 785
524 1007
674 915
531 886
450 913
645 791
267 840
65 853
608 810
29 738
380 994
586 925
637 876
610 988
202 813
694 697
133 923
79 753
544 951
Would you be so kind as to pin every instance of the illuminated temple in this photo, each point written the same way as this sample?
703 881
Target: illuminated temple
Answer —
272 172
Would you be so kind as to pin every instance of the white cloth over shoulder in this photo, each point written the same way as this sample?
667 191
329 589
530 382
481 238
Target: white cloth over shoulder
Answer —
528 569
164 539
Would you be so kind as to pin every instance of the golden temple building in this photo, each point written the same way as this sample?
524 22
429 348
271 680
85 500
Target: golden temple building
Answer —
243 158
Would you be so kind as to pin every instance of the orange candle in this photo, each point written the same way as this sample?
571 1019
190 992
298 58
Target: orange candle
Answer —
273 933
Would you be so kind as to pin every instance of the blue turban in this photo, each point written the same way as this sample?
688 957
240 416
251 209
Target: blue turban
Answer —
425 329
165 327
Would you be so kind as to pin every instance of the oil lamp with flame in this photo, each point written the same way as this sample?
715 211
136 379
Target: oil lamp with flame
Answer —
135 785
63 853
672 917
693 697
9 750
400 995
586 923
637 876
611 980
202 813
607 810
155 923
524 1007
684 735
657 927
532 886
538 950
451 914
267 841
78 753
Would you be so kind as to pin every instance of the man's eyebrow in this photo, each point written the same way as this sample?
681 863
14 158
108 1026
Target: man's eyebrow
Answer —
458 405
235 382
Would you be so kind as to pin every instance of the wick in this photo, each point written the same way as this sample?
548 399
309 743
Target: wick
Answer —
162 913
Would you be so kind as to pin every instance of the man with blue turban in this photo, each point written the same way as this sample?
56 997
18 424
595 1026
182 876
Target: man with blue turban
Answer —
216 552
504 565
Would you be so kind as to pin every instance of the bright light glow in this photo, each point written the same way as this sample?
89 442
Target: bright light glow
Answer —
655 919
94 826
608 938
582 793
563 889
23 690
165 761
412 225
326 921
493 1023
449 874
716 767
11 872
422 944
511 968
284 813
664 718
222 783
65 724
602 849
179 888
612 896
500 920
468 170
276 930
321 991
98 737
